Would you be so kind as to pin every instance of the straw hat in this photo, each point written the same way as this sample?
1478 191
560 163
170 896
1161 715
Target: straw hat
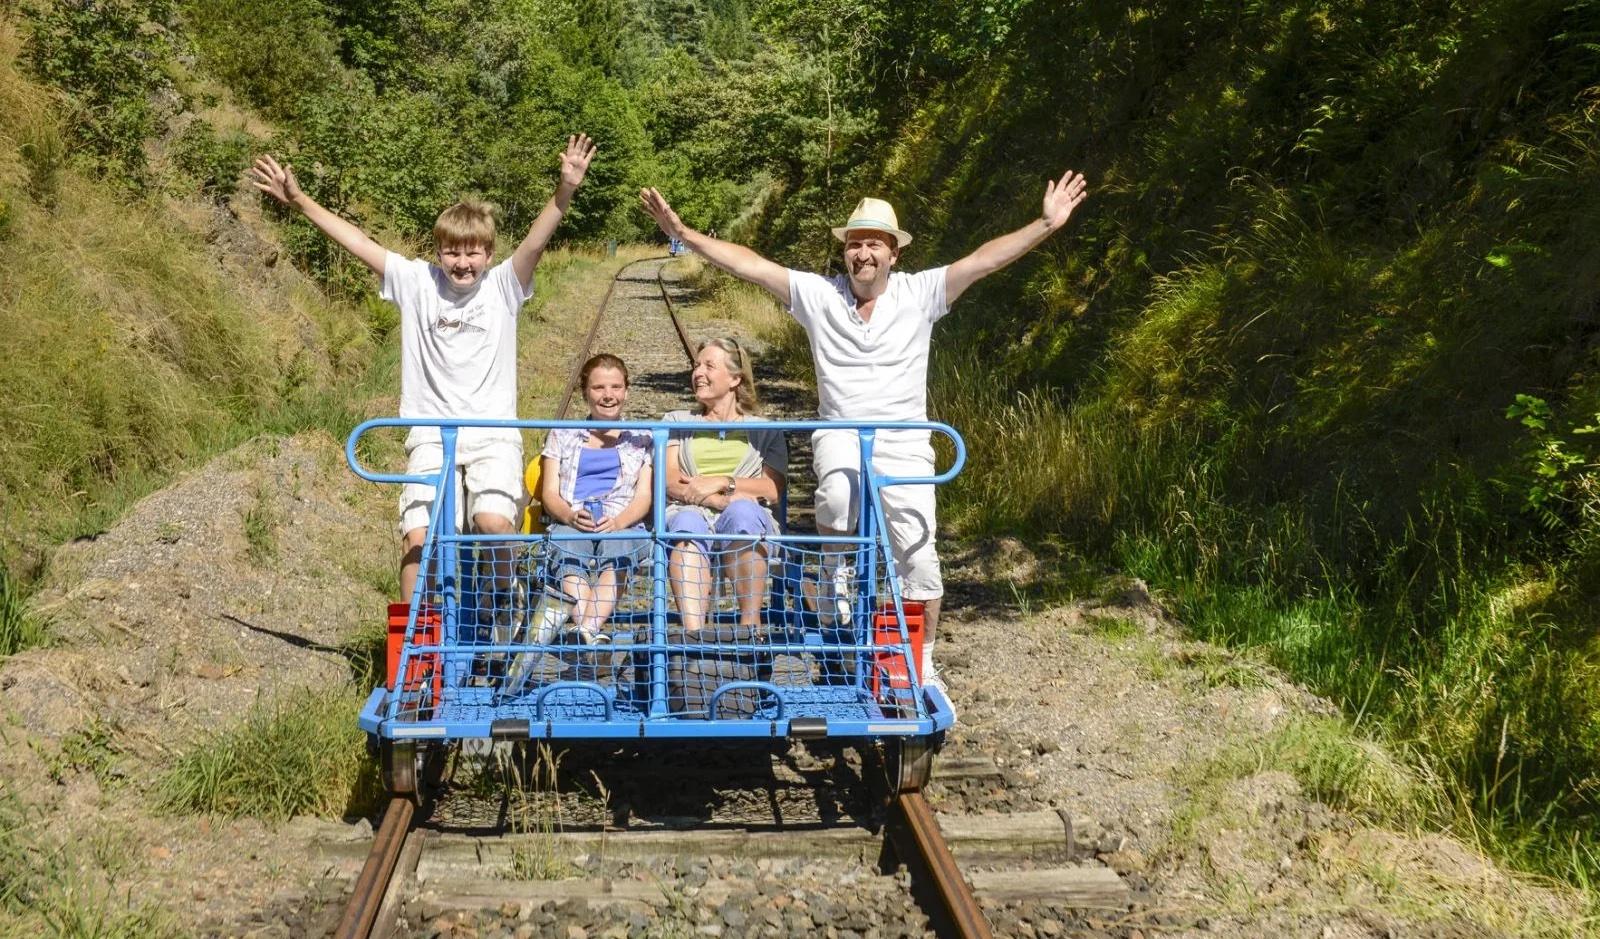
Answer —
874 215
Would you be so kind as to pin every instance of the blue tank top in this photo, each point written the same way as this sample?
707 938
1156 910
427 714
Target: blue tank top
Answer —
598 468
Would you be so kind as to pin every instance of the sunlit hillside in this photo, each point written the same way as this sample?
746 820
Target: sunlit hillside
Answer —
1318 357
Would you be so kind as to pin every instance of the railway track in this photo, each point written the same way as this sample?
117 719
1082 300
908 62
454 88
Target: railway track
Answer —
647 842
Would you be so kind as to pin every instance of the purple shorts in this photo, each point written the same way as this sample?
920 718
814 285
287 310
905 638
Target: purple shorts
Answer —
741 517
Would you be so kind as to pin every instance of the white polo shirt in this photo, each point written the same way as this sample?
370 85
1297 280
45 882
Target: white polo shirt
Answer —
873 370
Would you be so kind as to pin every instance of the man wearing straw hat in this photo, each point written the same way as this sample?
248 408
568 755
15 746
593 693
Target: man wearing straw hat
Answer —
869 329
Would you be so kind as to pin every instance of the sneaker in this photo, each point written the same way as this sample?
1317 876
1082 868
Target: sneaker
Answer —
844 591
592 636
934 681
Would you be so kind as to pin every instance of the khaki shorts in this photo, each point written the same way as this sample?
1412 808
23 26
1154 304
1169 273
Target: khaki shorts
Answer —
908 510
493 471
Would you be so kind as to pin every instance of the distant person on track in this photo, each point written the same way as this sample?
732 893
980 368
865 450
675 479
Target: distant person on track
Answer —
458 344
597 481
869 329
722 482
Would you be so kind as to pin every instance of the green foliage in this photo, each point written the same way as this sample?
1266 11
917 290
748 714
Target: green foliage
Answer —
275 54
215 158
300 755
1562 489
395 108
112 59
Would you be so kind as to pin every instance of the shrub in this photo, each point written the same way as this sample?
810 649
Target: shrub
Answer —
112 58
215 158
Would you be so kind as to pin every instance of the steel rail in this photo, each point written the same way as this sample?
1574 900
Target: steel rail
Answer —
672 313
915 833
373 882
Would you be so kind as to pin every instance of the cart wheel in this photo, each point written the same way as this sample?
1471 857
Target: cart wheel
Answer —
400 767
911 761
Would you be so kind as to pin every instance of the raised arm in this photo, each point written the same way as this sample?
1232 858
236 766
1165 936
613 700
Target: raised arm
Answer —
1060 198
574 165
737 260
278 182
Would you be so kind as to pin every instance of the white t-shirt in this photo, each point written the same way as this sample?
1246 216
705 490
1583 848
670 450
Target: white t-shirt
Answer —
875 370
458 349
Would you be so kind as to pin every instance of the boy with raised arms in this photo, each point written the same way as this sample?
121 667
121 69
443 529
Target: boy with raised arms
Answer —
458 342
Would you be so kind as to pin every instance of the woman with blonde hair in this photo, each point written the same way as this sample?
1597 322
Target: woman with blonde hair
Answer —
722 483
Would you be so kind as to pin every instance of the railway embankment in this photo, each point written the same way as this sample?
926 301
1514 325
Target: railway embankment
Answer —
199 638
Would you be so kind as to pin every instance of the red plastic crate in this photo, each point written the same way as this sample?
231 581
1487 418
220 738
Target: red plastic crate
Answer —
422 666
886 632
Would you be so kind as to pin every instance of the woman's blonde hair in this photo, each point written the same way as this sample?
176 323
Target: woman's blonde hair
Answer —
744 393
468 222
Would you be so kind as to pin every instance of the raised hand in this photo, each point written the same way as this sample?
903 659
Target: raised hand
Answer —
1062 196
575 159
275 180
656 205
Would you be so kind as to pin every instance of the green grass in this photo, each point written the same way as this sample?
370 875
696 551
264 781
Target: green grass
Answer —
1472 665
1335 766
299 755
20 627
261 527
535 814
366 650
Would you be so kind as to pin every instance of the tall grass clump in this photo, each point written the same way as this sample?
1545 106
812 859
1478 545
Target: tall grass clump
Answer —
20 627
301 754
1428 637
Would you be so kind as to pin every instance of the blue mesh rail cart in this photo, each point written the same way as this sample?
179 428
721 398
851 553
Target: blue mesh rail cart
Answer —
796 636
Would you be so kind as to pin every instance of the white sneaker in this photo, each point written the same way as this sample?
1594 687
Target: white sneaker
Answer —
844 591
592 636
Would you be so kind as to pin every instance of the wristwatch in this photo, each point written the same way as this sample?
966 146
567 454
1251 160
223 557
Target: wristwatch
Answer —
731 487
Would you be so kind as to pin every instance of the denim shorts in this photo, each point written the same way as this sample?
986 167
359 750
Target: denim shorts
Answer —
597 554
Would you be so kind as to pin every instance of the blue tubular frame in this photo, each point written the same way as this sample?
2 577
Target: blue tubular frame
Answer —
588 709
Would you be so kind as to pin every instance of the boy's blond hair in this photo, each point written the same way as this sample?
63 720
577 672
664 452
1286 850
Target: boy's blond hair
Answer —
468 222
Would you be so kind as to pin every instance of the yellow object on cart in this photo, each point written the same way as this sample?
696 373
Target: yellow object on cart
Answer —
533 515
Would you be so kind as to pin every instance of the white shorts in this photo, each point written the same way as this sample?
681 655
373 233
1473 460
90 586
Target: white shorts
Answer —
493 470
908 510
